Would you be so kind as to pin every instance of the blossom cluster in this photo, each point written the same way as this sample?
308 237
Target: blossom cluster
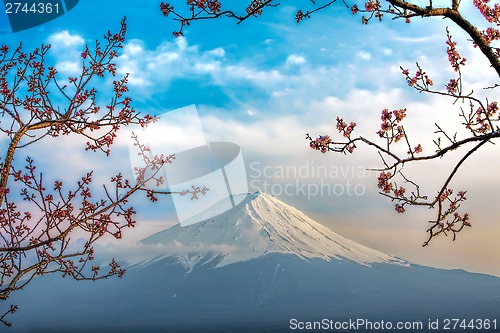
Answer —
492 15
384 181
420 80
166 8
321 143
484 118
390 128
455 59
345 129
255 7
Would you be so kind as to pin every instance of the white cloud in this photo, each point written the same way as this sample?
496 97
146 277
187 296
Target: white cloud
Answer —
134 47
65 39
168 61
219 52
263 77
363 55
413 39
208 68
387 51
66 51
294 59
181 43
69 67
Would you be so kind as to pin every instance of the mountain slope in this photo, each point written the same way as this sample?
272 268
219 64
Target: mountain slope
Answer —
258 295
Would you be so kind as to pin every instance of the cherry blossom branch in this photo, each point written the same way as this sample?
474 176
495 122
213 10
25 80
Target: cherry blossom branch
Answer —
454 15
36 236
211 9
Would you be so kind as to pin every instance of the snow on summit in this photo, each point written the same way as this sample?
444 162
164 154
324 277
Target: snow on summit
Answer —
261 224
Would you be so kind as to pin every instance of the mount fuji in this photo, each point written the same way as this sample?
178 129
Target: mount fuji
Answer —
255 268
261 225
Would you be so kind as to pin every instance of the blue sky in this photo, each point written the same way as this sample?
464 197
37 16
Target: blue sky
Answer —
264 83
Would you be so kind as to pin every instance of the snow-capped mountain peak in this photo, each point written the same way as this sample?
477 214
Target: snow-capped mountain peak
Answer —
261 224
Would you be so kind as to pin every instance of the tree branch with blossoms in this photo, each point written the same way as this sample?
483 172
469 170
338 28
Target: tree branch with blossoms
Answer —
211 9
41 218
480 121
479 118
